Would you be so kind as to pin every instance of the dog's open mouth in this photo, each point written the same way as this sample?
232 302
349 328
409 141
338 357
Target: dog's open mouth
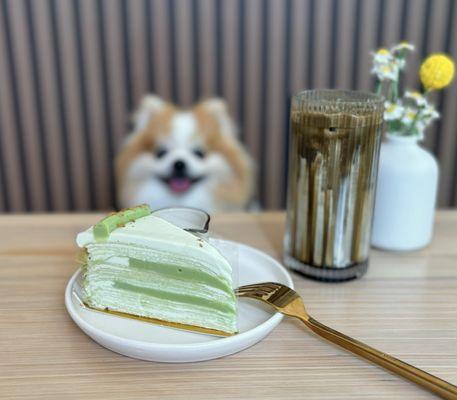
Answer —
180 184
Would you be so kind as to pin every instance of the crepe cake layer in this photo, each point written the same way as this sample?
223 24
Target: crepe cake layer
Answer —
151 268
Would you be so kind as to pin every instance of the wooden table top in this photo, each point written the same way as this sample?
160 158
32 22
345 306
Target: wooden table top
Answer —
406 306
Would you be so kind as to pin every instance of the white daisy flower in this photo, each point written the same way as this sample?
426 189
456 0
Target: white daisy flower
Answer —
385 65
386 71
423 119
409 116
417 97
393 111
430 113
402 46
382 56
400 51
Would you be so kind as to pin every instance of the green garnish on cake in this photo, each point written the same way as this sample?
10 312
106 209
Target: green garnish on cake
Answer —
142 265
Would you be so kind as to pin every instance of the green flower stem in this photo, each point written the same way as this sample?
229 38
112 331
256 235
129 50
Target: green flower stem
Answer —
410 131
378 86
395 90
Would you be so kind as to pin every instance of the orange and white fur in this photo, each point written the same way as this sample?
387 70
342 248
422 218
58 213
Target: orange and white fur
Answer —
189 158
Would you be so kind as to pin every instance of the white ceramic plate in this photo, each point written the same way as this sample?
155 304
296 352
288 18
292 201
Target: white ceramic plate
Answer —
152 342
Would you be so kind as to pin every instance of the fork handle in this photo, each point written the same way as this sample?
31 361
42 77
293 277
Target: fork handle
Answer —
416 375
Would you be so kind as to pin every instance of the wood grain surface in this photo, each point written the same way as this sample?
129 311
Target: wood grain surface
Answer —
406 305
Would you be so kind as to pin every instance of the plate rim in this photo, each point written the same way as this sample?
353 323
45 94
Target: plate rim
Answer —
269 324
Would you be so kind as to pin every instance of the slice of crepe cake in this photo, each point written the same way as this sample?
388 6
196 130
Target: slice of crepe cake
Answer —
142 265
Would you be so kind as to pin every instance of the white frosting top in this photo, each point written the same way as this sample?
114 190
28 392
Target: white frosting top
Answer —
157 234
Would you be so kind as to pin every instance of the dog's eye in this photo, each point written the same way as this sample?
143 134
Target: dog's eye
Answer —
160 152
200 153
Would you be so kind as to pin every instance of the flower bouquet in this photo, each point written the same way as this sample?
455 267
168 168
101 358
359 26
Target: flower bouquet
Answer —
408 174
410 114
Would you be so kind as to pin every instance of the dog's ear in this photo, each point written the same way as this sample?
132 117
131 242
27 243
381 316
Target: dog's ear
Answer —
214 105
149 106
218 109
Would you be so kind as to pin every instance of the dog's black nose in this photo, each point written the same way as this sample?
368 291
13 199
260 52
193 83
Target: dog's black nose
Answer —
179 166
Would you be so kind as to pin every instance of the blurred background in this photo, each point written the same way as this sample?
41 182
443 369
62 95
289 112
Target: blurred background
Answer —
71 72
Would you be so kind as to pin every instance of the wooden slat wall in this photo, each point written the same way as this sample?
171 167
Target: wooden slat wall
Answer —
71 71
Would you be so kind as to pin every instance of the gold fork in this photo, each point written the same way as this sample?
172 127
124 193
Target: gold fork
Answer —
288 302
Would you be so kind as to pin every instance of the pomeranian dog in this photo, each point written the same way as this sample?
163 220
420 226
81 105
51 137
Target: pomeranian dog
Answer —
189 158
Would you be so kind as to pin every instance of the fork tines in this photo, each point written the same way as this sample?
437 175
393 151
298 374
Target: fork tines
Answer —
261 288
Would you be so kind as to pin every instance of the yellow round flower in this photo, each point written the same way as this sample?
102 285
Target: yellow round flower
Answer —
437 71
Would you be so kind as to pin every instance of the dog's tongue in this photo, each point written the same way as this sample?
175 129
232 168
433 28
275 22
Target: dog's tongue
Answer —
179 185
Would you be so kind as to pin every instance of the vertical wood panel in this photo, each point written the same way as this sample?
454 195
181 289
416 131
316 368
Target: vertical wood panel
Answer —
77 143
161 56
275 135
298 64
253 69
435 43
38 108
58 163
322 37
184 54
310 49
25 99
207 53
414 34
230 55
82 98
392 22
240 71
345 44
137 50
116 70
97 104
445 46
3 200
148 15
356 38
16 182
367 44
446 127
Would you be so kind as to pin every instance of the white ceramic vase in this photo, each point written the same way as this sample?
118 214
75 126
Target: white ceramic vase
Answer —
405 195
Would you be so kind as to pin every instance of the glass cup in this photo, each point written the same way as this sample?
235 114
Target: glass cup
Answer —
192 220
333 158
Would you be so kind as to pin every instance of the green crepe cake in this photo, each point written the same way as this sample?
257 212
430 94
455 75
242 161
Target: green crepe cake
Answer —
139 264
